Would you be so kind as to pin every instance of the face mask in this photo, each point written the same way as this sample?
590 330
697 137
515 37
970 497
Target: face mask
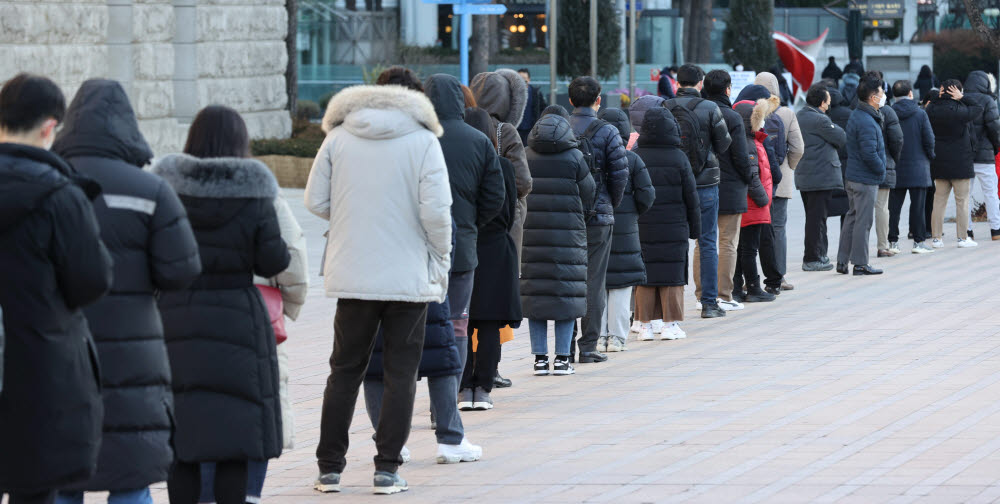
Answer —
881 102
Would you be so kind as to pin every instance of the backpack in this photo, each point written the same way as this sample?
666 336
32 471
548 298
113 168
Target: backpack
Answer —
776 139
585 144
692 141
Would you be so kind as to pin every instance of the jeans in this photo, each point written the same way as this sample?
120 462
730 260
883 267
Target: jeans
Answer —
354 328
918 227
598 254
816 241
443 390
706 248
779 218
617 312
140 496
538 332
857 224
459 298
986 176
256 472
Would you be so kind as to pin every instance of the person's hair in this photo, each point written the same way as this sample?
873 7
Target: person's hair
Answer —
931 95
951 83
525 71
27 100
818 93
558 110
481 120
470 99
400 76
925 72
832 59
869 85
673 68
583 91
828 83
690 75
717 81
218 131
901 88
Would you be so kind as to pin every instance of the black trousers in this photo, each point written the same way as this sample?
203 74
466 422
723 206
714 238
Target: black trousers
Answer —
918 200
45 497
928 209
816 241
354 329
768 256
230 487
746 253
481 366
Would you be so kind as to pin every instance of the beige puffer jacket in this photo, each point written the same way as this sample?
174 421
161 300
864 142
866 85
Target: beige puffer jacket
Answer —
793 138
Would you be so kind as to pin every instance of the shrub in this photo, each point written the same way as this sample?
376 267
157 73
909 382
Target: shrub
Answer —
959 52
307 109
305 142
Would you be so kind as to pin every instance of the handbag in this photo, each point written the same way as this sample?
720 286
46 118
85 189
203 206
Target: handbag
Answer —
275 311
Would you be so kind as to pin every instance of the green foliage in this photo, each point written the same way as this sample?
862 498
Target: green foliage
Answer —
574 38
747 38
415 55
959 52
307 109
325 99
305 142
370 75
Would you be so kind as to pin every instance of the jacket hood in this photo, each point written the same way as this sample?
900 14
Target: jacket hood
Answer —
21 192
769 81
221 178
552 134
445 93
753 93
849 86
637 111
659 128
836 99
502 93
754 113
619 119
978 82
100 122
381 112
905 108
558 110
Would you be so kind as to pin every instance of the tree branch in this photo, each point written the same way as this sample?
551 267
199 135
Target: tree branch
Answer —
975 13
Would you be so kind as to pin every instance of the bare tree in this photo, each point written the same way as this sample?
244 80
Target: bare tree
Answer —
292 70
974 10
697 15
479 46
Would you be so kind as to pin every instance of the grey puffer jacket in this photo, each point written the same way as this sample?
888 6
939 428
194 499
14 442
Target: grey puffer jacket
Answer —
715 133
986 127
893 134
819 168
609 157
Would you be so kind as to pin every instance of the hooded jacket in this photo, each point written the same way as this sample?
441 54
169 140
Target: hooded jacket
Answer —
636 114
865 146
50 248
775 143
675 216
504 94
793 138
986 127
849 86
832 71
477 185
146 229
914 166
734 164
840 112
954 137
893 134
819 168
714 132
554 259
609 158
381 180
625 267
760 195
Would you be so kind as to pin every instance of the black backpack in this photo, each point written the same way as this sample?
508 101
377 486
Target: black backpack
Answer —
692 141
585 144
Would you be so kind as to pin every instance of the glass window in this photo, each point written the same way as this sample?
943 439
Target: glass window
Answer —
838 28
803 27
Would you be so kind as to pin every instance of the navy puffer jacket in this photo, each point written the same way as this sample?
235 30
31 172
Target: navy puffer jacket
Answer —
609 157
914 166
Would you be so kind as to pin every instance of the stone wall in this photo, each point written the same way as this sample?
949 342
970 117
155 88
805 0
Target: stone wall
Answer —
172 56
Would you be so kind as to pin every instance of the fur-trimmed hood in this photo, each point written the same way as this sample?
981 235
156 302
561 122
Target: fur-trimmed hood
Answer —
755 113
502 93
381 112
217 177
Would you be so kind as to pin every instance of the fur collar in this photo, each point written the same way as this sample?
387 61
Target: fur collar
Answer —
217 177
355 98
503 93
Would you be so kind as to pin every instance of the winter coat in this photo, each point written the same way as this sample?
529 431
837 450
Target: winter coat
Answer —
795 145
865 146
665 88
532 111
50 249
675 216
840 112
734 164
609 158
954 137
477 186
924 85
504 94
893 135
625 266
637 110
495 290
146 229
714 132
775 144
554 259
914 166
381 180
849 86
986 126
819 168
760 194
219 327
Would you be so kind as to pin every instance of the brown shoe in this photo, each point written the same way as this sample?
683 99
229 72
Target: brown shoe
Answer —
885 253
786 286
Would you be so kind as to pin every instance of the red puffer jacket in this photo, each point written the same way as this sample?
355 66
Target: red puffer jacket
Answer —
754 213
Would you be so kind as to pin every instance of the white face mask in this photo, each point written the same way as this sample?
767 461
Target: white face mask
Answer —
881 102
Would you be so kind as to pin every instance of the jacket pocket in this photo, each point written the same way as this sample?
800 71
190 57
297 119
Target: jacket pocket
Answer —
95 363
437 269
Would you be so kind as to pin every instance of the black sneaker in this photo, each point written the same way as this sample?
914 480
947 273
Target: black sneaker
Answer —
756 295
562 367
772 290
541 365
590 357
713 310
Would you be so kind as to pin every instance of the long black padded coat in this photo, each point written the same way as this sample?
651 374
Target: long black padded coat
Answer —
625 266
554 257
675 215
219 337
498 295
146 230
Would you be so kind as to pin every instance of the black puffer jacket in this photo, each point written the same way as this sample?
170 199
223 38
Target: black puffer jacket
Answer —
222 350
477 186
986 127
893 134
954 138
496 294
675 215
819 168
146 230
734 165
625 267
554 258
609 157
52 263
714 130
840 112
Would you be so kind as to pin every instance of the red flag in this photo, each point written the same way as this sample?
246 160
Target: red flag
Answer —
799 57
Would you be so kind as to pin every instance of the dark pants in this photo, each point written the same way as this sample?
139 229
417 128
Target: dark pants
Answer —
46 497
354 328
857 223
918 200
256 474
768 256
746 251
230 486
928 210
598 254
816 241
481 366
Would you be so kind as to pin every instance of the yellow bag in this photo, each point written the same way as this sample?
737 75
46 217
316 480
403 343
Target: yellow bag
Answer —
506 334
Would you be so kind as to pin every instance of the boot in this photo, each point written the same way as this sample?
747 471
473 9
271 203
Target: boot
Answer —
757 295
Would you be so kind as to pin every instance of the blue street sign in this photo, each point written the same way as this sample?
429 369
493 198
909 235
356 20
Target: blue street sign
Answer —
491 9
456 1
628 5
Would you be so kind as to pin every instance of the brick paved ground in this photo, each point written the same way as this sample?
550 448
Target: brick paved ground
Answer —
883 389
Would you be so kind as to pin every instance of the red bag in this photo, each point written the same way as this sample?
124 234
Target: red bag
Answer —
275 311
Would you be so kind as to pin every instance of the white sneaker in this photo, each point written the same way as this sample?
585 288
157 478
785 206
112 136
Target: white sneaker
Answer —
464 452
602 344
967 243
672 332
657 326
616 344
921 248
405 454
894 247
937 243
635 326
730 305
646 332
697 305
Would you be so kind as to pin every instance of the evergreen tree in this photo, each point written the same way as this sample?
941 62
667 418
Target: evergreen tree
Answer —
574 38
747 38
